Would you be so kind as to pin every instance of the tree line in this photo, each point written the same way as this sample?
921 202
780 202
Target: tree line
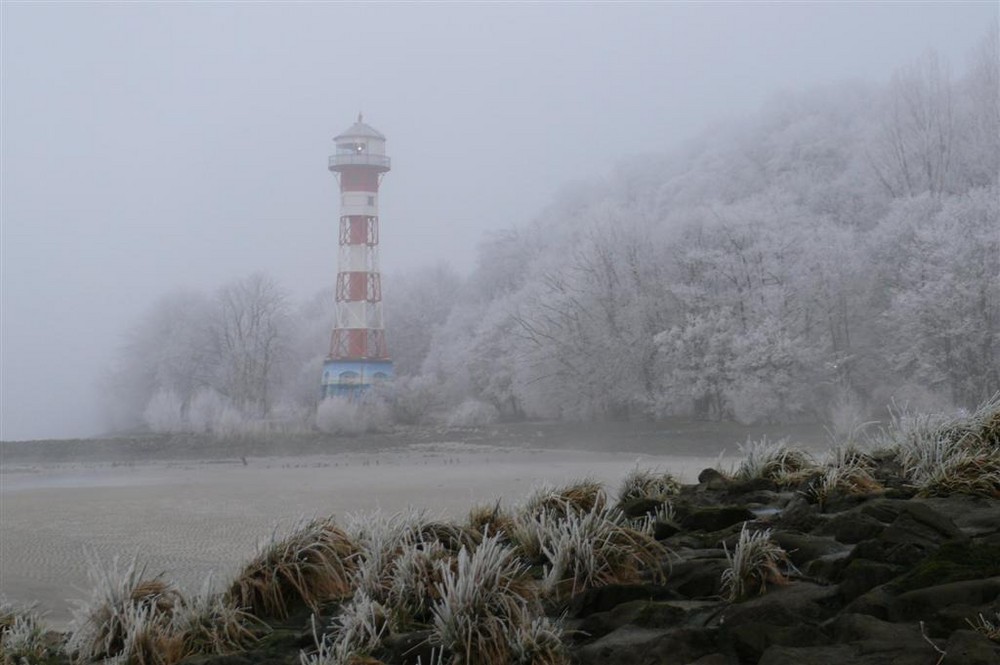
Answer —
837 251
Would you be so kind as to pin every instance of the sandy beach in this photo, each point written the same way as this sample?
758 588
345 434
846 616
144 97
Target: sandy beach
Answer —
189 519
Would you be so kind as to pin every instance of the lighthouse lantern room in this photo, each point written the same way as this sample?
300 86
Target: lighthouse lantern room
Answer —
359 357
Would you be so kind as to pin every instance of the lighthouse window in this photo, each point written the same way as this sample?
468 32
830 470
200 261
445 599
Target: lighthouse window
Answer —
371 200
352 148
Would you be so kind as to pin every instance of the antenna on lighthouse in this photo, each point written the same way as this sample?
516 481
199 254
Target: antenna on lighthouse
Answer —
359 357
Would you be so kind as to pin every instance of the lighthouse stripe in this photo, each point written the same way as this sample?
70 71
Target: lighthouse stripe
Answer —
360 314
358 258
359 203
356 286
359 179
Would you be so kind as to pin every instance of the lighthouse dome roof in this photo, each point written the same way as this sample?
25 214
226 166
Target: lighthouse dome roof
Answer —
360 129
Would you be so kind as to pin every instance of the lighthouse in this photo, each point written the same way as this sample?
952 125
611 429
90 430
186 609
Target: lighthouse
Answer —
359 357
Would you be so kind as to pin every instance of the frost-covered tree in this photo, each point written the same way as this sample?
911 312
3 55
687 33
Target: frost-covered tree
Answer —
248 343
167 351
417 303
943 316
164 412
834 251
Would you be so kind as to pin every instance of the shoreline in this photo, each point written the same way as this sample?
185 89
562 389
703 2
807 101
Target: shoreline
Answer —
192 517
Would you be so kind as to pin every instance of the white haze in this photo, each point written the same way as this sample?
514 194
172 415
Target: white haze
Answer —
153 147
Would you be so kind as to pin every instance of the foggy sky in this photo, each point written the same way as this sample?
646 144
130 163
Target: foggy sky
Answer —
156 146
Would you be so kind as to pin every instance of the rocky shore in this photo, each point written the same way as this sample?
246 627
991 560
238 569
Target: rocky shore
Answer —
881 579
879 556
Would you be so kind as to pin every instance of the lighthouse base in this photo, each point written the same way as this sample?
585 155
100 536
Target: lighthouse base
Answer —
353 378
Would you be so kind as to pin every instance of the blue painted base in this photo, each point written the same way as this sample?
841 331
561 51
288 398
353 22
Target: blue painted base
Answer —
353 378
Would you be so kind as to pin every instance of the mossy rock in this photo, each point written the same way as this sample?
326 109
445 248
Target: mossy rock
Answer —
716 519
863 575
641 507
642 613
752 639
603 599
851 527
952 562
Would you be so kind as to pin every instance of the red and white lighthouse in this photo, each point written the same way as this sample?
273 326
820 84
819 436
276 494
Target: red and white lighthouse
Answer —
359 356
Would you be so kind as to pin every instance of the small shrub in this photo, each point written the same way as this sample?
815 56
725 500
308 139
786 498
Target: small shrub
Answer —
338 415
204 409
312 565
473 413
164 412
756 561
414 399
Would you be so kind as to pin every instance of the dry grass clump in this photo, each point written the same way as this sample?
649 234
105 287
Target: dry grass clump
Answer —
586 495
594 549
664 512
647 484
483 601
452 537
146 621
354 634
527 534
847 471
383 538
774 461
22 635
756 561
538 642
490 519
208 624
403 560
380 538
417 577
311 565
949 455
125 612
945 472
988 628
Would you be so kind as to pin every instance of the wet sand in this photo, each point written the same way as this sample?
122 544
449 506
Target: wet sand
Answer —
187 519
